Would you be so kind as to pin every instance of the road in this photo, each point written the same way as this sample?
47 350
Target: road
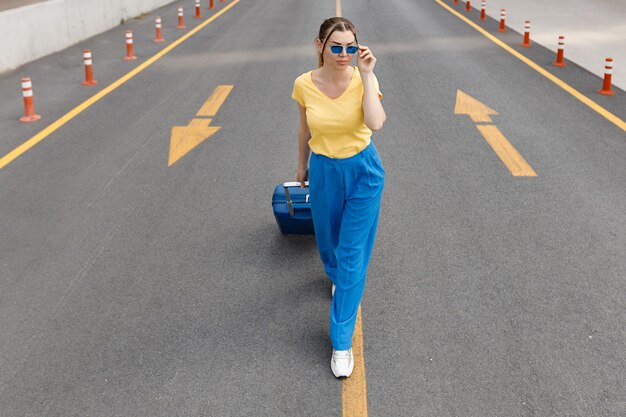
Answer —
131 286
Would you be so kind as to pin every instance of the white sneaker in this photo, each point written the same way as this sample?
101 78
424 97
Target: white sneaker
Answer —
332 291
342 363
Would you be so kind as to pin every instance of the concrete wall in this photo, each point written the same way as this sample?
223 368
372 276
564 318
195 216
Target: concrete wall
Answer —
33 31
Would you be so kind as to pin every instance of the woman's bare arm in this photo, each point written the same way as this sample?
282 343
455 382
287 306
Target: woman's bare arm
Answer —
373 112
304 135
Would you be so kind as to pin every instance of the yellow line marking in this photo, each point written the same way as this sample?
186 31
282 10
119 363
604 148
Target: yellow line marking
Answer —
354 388
577 94
354 392
8 158
507 153
215 101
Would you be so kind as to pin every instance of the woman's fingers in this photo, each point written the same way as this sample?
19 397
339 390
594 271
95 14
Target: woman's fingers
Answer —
365 53
366 58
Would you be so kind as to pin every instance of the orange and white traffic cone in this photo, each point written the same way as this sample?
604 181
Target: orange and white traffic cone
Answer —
211 5
483 12
129 46
559 53
222 1
456 2
29 106
526 43
608 74
159 34
88 69
198 14
502 21
468 8
181 19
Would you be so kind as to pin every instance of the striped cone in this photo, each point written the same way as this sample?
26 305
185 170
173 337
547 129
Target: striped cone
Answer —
211 5
608 74
88 68
198 14
526 43
29 105
502 21
130 55
181 19
468 8
560 62
483 12
456 1
159 34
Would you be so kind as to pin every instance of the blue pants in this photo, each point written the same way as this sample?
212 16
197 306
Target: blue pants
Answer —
345 202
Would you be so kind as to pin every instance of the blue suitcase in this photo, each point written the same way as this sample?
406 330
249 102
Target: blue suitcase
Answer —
292 209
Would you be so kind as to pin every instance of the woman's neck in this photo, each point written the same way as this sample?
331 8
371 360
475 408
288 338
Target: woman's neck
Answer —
332 75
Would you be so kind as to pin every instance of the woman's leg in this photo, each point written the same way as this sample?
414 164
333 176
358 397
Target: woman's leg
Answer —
327 199
356 240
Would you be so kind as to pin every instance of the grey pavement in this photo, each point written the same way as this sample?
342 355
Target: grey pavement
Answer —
132 289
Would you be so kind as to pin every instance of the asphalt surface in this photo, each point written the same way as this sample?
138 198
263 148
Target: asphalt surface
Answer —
128 288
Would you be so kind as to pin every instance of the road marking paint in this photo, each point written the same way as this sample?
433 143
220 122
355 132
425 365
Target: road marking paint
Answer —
507 153
577 94
215 101
8 158
476 110
354 392
479 112
186 138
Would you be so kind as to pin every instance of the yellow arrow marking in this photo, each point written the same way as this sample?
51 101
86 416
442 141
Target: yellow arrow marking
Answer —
354 393
185 138
188 137
507 153
478 111
213 103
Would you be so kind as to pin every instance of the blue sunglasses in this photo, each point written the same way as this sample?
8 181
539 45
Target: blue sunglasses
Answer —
337 49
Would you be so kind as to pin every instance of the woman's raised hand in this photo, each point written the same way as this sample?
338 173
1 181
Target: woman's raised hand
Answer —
365 60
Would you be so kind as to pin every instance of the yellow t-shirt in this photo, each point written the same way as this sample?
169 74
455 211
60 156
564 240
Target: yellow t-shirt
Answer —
337 126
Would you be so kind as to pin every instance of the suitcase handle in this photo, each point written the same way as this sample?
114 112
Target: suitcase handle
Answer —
290 204
294 184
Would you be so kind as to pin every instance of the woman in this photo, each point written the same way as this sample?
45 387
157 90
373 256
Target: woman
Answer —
339 108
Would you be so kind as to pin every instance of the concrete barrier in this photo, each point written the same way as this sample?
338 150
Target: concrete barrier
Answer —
36 30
